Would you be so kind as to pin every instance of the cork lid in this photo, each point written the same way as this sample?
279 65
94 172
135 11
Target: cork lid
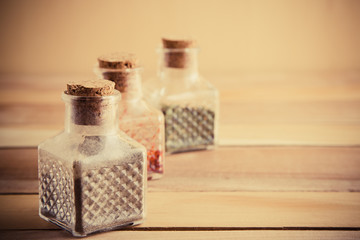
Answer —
91 88
178 43
118 60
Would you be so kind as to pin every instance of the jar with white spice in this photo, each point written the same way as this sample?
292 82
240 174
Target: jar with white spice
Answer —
92 177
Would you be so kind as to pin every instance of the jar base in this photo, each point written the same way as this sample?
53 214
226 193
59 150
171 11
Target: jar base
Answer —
90 232
190 149
154 175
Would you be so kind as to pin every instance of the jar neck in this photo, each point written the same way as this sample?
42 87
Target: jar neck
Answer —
179 64
127 81
91 116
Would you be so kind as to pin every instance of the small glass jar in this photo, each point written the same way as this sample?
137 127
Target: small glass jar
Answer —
92 177
138 119
189 103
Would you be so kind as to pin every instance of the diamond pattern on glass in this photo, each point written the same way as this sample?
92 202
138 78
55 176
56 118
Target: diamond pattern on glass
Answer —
56 195
112 194
188 127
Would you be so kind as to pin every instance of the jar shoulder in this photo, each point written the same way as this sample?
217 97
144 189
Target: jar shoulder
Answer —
195 92
140 111
92 150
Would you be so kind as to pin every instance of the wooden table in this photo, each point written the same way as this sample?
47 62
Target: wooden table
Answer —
288 164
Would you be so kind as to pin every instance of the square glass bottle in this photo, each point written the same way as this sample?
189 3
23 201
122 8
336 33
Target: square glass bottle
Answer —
138 120
189 102
92 177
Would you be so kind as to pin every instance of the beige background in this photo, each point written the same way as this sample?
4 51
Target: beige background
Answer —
48 36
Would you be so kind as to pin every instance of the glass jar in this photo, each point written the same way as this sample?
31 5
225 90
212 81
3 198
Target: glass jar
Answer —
138 119
92 177
189 103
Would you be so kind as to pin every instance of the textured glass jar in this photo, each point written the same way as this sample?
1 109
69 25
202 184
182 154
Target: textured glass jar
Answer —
189 103
92 177
139 120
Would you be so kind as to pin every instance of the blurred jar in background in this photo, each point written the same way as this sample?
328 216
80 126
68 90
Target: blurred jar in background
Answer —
138 120
190 103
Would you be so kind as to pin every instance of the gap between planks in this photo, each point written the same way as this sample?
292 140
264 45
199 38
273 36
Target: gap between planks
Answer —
180 235
335 169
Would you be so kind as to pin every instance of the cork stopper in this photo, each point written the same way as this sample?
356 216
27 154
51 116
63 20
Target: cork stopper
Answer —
118 60
178 43
91 88
86 110
120 68
176 55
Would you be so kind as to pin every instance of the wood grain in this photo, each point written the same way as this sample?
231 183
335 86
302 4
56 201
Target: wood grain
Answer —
223 169
215 210
263 169
297 109
180 235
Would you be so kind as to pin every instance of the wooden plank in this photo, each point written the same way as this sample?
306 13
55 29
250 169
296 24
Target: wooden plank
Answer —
46 114
229 135
25 137
263 169
19 186
18 163
270 134
180 235
215 210
288 86
289 111
297 109
223 169
236 85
